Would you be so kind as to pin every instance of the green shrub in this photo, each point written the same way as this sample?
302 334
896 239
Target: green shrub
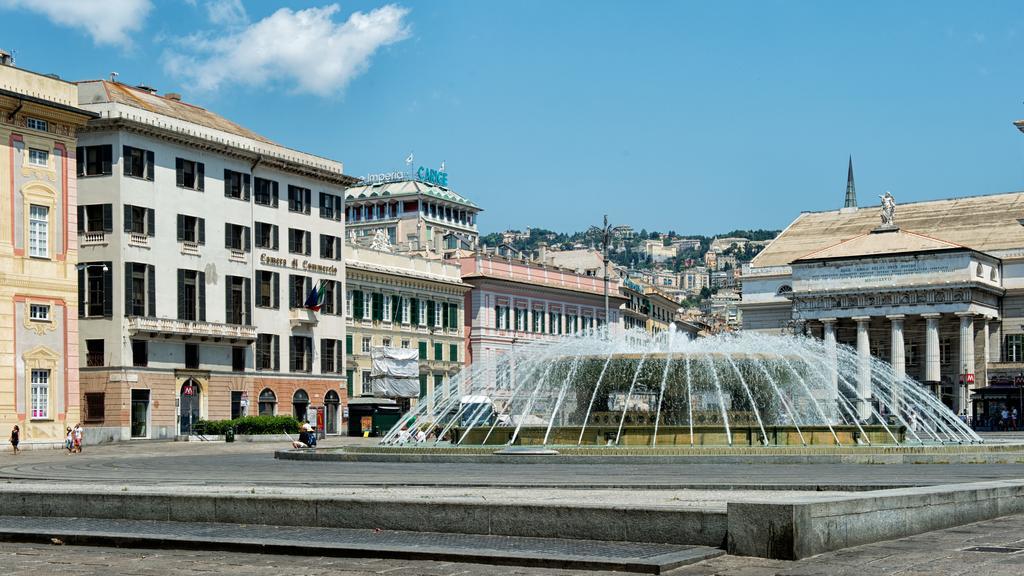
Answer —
248 425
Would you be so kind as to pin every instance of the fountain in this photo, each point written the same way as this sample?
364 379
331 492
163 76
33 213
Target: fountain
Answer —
637 389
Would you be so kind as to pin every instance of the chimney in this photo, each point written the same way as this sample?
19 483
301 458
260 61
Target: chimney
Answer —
146 88
6 59
173 96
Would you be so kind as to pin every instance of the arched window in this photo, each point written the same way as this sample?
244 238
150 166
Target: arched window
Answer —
268 402
300 402
784 290
331 404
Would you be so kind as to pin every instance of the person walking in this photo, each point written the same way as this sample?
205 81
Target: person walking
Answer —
1004 419
69 440
15 438
1013 419
77 435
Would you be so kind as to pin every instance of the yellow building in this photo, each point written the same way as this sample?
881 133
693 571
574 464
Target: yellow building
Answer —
38 254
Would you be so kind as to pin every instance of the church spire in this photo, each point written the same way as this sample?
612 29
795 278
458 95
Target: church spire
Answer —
851 190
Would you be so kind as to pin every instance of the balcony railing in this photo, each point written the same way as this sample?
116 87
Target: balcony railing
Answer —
190 328
94 359
237 256
140 240
302 317
190 248
94 239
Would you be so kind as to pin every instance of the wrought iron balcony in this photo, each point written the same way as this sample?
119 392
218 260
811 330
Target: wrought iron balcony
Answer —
190 329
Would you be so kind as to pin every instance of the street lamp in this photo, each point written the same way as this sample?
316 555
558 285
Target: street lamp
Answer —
605 232
83 266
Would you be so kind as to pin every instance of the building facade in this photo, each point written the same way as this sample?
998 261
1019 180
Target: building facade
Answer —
39 120
520 301
201 243
648 308
415 215
937 290
397 300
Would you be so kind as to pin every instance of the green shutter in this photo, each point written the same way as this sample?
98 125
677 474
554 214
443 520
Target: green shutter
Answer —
423 350
348 344
377 306
348 382
453 353
438 349
414 311
431 312
453 317
423 385
438 383
357 304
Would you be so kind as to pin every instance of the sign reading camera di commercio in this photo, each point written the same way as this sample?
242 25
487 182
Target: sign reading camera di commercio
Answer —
431 176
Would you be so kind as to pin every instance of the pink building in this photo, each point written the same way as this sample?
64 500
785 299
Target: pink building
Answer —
514 302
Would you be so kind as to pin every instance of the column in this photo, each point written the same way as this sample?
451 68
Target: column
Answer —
995 348
899 368
832 361
931 350
966 361
863 367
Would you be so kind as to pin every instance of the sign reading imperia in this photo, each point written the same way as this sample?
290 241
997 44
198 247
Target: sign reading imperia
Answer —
297 264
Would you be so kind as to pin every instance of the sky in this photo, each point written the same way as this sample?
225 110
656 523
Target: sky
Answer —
697 117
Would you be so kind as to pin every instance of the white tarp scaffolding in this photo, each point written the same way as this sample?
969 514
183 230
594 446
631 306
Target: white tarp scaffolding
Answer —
395 372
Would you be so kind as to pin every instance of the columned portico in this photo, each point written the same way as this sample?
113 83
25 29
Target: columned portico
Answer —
829 334
863 367
932 367
897 356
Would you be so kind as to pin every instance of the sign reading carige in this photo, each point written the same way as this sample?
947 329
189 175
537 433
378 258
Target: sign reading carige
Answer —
431 176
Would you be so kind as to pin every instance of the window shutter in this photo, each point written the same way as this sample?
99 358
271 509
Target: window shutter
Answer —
108 218
453 316
277 353
128 288
275 234
378 307
431 313
291 353
108 290
81 291
179 169
227 298
227 235
276 286
308 199
202 230
308 241
200 176
181 227
149 165
423 350
444 314
246 238
108 158
323 246
181 294
126 161
246 181
80 160
357 304
273 194
127 218
348 343
81 219
150 222
227 183
323 205
201 289
151 289
414 308
247 295
338 207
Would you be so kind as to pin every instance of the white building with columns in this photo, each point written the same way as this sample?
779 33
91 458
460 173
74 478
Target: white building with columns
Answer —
939 294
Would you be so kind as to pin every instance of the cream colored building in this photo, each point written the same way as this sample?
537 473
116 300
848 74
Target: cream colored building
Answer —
39 120
403 300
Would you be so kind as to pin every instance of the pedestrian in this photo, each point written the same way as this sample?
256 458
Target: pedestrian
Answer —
77 438
1004 419
15 438
1013 419
69 440
963 417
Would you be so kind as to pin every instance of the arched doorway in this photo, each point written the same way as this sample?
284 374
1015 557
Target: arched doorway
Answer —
300 402
190 401
331 404
267 402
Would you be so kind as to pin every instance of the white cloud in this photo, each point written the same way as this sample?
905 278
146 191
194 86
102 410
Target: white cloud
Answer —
107 21
226 12
305 50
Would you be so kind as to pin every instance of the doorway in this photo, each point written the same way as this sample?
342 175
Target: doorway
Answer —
190 397
331 404
300 402
140 414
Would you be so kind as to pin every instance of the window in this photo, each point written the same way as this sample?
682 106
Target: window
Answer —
438 351
95 289
39 231
191 295
423 350
331 206
386 342
330 247
36 124
453 352
139 289
367 384
190 174
236 404
326 356
268 356
238 306
95 160
330 288
94 407
299 241
367 344
266 192
266 236
95 218
238 359
438 383
298 199
138 163
139 220
94 352
236 237
910 349
191 229
236 185
298 288
192 356
945 347
37 157
39 312
268 289
301 357
40 394
405 343
140 353
1014 348
268 402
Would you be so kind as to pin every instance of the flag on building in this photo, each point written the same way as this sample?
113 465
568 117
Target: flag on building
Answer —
315 299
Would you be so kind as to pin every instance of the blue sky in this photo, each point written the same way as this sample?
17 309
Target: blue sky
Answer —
694 116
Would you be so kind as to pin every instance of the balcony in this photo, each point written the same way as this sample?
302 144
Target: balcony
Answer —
302 317
190 329
93 239
190 249
237 256
139 240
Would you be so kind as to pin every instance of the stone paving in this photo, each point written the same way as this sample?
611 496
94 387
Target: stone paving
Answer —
940 553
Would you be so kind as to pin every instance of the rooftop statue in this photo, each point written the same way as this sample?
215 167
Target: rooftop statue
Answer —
888 209
381 241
